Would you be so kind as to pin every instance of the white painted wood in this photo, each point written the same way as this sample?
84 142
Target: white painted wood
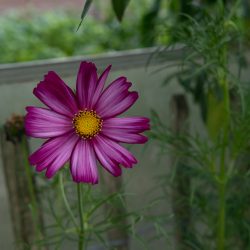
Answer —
29 71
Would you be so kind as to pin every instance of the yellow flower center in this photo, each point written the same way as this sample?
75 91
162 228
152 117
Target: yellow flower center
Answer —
87 124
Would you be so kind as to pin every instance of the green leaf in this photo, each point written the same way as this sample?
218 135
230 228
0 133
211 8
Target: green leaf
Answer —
85 11
119 7
148 24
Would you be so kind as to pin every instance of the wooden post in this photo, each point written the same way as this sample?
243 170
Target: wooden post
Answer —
181 183
118 236
21 187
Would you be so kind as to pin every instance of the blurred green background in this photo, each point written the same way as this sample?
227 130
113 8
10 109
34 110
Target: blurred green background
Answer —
32 30
31 34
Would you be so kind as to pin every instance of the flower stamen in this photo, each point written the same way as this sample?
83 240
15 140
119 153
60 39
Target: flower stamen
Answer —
87 124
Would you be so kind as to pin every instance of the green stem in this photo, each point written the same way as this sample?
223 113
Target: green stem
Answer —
80 207
221 215
223 182
222 78
65 201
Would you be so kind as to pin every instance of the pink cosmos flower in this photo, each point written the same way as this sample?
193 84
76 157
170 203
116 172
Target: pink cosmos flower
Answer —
83 126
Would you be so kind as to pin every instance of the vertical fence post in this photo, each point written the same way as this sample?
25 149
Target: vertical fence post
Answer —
118 236
181 183
21 187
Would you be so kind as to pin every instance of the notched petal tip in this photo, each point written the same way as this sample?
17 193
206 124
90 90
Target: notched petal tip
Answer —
143 139
47 78
28 108
35 90
116 173
145 119
49 174
129 84
31 160
135 94
51 72
86 65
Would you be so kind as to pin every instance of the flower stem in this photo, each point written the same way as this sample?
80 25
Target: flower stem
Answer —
222 177
222 79
65 201
222 195
221 216
80 208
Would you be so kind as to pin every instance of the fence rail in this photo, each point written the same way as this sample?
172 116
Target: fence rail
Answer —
28 71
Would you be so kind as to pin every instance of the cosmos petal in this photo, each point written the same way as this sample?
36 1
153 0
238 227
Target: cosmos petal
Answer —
54 93
124 136
83 163
54 153
112 96
119 104
100 85
128 124
109 164
44 123
115 151
86 84
115 91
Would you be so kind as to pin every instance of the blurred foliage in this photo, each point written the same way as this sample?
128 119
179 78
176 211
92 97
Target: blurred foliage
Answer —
148 28
213 36
26 36
53 34
209 40
201 160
